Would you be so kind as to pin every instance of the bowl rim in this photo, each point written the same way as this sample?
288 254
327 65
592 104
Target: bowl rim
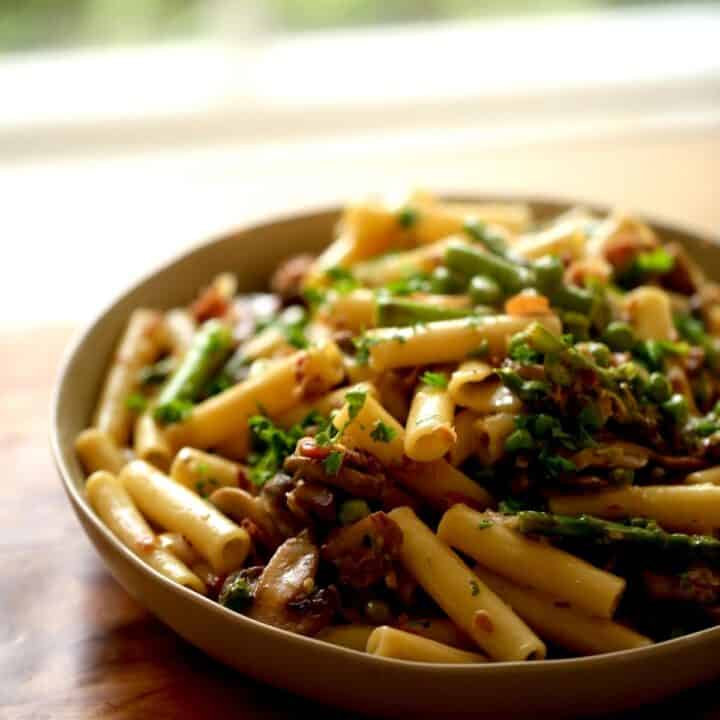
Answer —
81 505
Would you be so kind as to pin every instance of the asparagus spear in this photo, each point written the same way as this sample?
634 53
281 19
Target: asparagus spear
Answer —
209 348
470 261
396 312
638 532
549 281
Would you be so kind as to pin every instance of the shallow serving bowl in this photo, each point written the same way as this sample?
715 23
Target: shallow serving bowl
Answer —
330 674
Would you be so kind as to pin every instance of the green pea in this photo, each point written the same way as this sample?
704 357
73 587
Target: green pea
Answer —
519 440
677 408
548 272
591 418
658 387
353 510
543 425
619 336
622 476
378 612
446 282
484 291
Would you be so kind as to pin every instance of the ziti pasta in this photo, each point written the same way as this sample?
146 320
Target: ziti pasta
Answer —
459 435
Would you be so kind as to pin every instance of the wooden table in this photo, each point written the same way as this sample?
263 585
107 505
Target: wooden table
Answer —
73 645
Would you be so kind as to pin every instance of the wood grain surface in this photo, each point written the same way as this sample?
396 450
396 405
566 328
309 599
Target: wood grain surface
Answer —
73 645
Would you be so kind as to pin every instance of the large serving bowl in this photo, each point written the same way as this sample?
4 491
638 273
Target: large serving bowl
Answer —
334 675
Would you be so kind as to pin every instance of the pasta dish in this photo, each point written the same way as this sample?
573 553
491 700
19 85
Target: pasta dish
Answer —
459 435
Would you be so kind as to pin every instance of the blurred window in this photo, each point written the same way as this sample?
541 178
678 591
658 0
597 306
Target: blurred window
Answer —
36 24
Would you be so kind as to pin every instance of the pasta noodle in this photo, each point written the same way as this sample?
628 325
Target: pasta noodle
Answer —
109 499
393 643
693 508
275 392
543 567
97 451
173 507
139 346
204 473
461 594
570 629
446 340
429 433
466 441
151 443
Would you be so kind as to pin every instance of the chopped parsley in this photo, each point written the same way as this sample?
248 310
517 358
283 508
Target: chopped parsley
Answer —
355 400
343 281
136 402
362 348
481 350
173 412
434 379
407 217
382 432
333 462
271 445
474 588
484 524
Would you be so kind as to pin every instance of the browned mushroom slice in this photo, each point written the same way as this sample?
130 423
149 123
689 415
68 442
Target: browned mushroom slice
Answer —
363 552
686 276
699 585
288 578
287 279
241 505
355 482
310 501
616 455
679 463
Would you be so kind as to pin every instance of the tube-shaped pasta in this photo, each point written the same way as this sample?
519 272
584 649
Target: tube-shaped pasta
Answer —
355 310
554 621
150 442
466 441
441 485
446 340
390 268
111 502
566 238
274 392
441 630
324 405
360 431
513 217
690 508
469 603
337 254
204 473
390 642
235 446
711 475
491 433
267 343
179 547
474 385
429 432
561 575
179 330
97 451
354 637
650 313
139 346
173 507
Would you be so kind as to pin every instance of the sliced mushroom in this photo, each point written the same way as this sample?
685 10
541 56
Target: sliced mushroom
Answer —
364 551
287 279
619 454
310 502
287 580
241 505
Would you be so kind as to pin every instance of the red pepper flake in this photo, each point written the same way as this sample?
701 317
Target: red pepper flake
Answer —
482 621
